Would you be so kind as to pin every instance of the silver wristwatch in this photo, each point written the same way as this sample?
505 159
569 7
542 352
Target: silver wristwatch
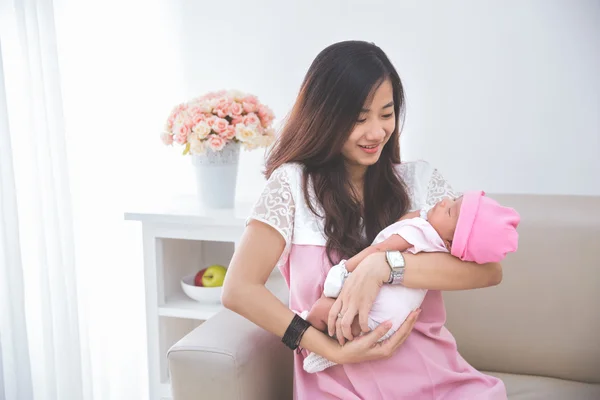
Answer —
395 260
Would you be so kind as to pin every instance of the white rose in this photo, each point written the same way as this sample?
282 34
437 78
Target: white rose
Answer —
201 130
206 107
246 134
212 103
181 118
237 95
264 141
197 146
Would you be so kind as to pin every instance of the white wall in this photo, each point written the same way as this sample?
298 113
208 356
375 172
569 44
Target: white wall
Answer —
504 98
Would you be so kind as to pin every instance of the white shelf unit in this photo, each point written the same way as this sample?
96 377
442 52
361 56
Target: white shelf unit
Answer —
180 238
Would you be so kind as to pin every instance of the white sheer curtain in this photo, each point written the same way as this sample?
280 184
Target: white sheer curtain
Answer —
87 87
13 332
40 331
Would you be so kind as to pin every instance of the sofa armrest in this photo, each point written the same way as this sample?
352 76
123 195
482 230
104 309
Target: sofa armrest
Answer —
228 357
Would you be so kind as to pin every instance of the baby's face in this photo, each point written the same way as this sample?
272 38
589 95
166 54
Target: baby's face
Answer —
444 217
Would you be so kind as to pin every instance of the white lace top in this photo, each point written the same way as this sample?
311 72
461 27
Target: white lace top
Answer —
282 205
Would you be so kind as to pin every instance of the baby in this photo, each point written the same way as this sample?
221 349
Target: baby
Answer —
472 228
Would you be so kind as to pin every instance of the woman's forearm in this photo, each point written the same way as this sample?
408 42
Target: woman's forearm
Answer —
244 290
257 304
440 271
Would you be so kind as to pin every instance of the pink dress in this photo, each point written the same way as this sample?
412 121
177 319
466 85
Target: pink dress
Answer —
427 365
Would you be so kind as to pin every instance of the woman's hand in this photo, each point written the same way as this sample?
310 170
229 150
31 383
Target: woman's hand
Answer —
367 347
357 296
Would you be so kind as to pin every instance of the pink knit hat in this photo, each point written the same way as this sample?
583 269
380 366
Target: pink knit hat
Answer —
485 231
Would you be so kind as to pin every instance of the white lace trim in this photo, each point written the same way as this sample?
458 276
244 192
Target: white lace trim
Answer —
309 227
437 189
276 206
407 172
282 203
426 185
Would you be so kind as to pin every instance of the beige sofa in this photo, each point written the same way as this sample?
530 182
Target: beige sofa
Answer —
539 330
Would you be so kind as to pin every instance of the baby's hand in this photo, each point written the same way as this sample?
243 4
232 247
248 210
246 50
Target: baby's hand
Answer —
318 314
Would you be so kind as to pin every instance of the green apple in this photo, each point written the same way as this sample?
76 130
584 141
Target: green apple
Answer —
214 276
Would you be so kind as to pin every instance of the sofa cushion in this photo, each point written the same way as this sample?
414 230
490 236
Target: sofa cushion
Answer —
543 318
527 387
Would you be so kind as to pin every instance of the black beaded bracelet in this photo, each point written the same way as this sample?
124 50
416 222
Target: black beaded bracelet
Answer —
293 334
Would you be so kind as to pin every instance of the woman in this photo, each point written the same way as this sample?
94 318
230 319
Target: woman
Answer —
334 181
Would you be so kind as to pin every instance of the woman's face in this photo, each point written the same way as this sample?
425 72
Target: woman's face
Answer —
373 128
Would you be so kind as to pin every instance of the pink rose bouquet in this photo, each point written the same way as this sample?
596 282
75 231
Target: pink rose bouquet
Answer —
212 121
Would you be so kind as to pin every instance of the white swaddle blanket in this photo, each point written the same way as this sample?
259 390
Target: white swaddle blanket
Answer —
394 302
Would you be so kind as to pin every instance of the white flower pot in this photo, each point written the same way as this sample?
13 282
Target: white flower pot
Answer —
216 176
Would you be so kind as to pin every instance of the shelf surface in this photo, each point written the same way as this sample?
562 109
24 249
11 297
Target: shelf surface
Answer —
186 209
181 306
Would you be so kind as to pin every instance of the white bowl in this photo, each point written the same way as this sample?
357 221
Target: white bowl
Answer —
201 294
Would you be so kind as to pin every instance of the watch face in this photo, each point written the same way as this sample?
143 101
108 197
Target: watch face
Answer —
396 259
